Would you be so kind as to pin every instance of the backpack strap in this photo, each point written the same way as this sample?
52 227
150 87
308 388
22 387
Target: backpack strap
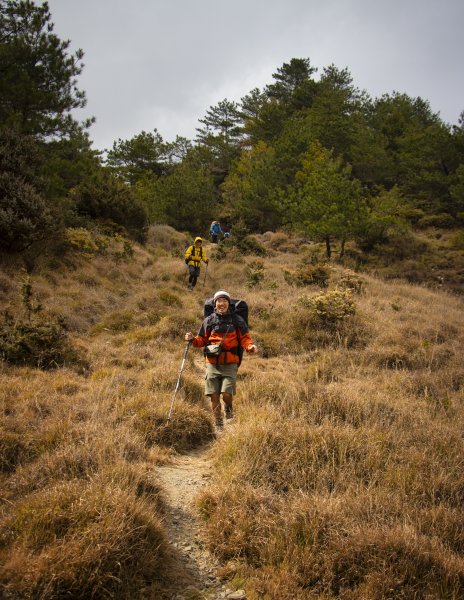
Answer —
239 347
192 254
221 344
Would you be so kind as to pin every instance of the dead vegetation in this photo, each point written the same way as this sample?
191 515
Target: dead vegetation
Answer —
341 479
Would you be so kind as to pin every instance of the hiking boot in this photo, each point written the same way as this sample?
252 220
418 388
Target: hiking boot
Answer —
228 412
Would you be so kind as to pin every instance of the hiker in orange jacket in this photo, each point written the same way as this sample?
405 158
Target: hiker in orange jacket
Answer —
221 334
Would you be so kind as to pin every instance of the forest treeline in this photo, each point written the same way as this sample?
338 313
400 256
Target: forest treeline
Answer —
309 152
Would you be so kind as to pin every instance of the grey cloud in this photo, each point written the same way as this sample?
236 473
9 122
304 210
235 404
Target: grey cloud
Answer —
160 63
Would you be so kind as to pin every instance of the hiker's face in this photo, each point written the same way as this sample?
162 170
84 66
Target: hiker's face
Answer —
198 244
222 305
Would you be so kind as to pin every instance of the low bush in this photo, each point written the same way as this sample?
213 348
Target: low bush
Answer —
37 340
350 280
309 274
255 273
334 306
442 220
43 344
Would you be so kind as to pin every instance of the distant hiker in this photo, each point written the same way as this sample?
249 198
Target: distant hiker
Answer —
214 231
221 334
193 257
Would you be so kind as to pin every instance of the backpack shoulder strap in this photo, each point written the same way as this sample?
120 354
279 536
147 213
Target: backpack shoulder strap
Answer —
237 332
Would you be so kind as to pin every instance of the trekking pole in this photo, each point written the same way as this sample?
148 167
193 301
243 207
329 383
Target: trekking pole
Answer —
178 379
206 270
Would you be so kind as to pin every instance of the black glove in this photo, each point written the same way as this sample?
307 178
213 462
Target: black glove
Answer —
187 261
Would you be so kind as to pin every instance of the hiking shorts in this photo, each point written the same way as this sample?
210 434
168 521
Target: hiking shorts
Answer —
220 378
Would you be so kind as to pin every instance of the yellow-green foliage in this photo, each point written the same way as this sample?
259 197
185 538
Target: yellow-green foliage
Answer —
85 242
90 243
333 306
351 281
255 273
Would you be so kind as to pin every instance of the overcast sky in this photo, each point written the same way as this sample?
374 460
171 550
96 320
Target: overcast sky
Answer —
162 63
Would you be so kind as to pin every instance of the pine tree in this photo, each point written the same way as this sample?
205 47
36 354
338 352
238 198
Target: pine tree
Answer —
38 87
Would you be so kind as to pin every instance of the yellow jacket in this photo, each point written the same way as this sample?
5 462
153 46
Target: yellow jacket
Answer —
196 255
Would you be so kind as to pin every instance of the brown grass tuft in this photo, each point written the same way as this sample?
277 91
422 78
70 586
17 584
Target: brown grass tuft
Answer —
123 546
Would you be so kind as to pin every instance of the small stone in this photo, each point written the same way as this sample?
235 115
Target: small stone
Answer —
237 595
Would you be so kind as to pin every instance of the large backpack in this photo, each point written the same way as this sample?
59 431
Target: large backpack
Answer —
237 307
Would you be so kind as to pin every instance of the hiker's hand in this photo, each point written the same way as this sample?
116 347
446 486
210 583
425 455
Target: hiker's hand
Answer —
207 261
252 349
189 336
187 261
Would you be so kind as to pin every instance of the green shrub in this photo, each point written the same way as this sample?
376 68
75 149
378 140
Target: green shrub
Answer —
84 241
313 275
37 340
89 243
255 273
351 281
43 344
443 220
243 242
105 199
333 306
25 217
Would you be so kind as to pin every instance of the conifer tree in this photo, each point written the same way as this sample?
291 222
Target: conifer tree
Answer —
38 87
221 136
325 202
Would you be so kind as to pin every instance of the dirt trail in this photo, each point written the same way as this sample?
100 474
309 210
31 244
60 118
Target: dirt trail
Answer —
196 567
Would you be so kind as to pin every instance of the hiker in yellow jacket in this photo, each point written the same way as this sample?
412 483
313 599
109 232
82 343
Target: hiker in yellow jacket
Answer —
193 257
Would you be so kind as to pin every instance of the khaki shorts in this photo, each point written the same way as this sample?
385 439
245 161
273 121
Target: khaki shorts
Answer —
220 378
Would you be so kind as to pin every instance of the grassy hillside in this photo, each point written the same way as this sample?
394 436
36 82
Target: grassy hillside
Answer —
342 478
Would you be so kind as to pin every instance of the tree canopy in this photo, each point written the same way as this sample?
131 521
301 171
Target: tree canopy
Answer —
309 151
38 87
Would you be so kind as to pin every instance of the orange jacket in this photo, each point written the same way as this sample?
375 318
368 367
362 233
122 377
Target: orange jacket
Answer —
231 331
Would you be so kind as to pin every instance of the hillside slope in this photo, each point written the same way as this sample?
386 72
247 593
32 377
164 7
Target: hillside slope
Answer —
341 478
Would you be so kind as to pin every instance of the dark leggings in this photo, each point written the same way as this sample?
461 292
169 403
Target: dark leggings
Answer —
194 273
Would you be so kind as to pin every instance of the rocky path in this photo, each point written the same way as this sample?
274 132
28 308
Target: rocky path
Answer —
196 568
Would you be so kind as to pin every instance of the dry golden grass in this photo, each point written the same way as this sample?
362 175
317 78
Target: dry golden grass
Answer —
342 476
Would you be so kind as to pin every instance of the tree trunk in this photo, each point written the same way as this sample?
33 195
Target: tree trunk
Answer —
328 249
342 248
